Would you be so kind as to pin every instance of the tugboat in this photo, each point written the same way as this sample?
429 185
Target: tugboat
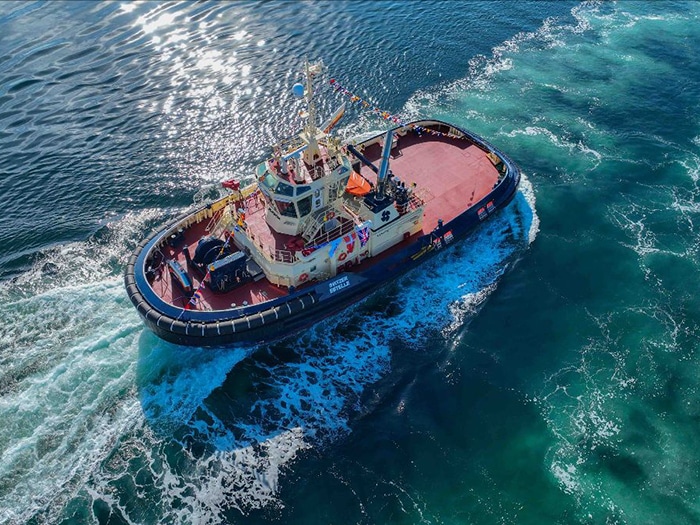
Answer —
323 225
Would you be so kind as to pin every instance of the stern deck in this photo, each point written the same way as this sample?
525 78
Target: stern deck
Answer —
249 293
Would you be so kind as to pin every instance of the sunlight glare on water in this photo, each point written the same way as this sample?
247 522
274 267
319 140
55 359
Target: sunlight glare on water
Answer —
542 371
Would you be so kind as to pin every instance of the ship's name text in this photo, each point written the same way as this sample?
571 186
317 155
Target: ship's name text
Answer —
341 283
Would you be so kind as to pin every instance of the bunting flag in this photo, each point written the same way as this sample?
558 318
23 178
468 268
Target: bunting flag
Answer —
334 246
197 295
350 242
363 233
383 114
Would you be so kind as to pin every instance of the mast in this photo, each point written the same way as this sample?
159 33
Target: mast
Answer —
311 153
310 127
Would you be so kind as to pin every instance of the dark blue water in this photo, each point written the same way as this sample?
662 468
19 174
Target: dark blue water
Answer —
543 371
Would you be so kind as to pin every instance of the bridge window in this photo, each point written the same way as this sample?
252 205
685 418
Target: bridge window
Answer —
268 180
284 189
304 206
286 209
303 189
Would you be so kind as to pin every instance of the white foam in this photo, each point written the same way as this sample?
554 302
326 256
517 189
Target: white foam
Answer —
66 400
89 395
566 475
692 165
92 403
484 69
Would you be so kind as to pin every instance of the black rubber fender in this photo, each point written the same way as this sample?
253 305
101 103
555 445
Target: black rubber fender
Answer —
240 324
213 329
178 327
132 290
297 306
143 307
282 311
307 300
153 316
255 321
269 316
227 327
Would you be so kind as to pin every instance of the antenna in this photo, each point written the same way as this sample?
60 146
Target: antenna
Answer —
311 122
311 153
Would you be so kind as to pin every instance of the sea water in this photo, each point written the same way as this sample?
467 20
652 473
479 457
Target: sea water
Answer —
543 371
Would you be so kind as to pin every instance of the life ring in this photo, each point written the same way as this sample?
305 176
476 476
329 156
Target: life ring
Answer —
343 256
364 254
303 277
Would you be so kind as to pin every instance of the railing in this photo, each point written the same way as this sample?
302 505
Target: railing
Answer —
316 172
354 204
214 221
354 213
333 163
417 199
343 229
272 255
313 224
254 202
284 256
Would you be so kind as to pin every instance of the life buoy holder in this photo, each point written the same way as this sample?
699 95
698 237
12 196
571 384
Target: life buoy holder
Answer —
304 277
343 256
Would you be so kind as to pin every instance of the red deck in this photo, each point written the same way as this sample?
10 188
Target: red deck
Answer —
263 235
453 173
252 293
450 174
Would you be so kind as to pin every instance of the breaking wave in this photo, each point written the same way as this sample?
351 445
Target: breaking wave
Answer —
99 406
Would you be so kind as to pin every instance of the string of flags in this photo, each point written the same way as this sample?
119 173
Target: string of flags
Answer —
197 295
383 114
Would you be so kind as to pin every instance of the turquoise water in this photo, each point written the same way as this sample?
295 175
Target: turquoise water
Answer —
543 371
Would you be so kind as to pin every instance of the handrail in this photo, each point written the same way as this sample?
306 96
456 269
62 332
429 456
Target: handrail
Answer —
354 214
338 231
215 219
